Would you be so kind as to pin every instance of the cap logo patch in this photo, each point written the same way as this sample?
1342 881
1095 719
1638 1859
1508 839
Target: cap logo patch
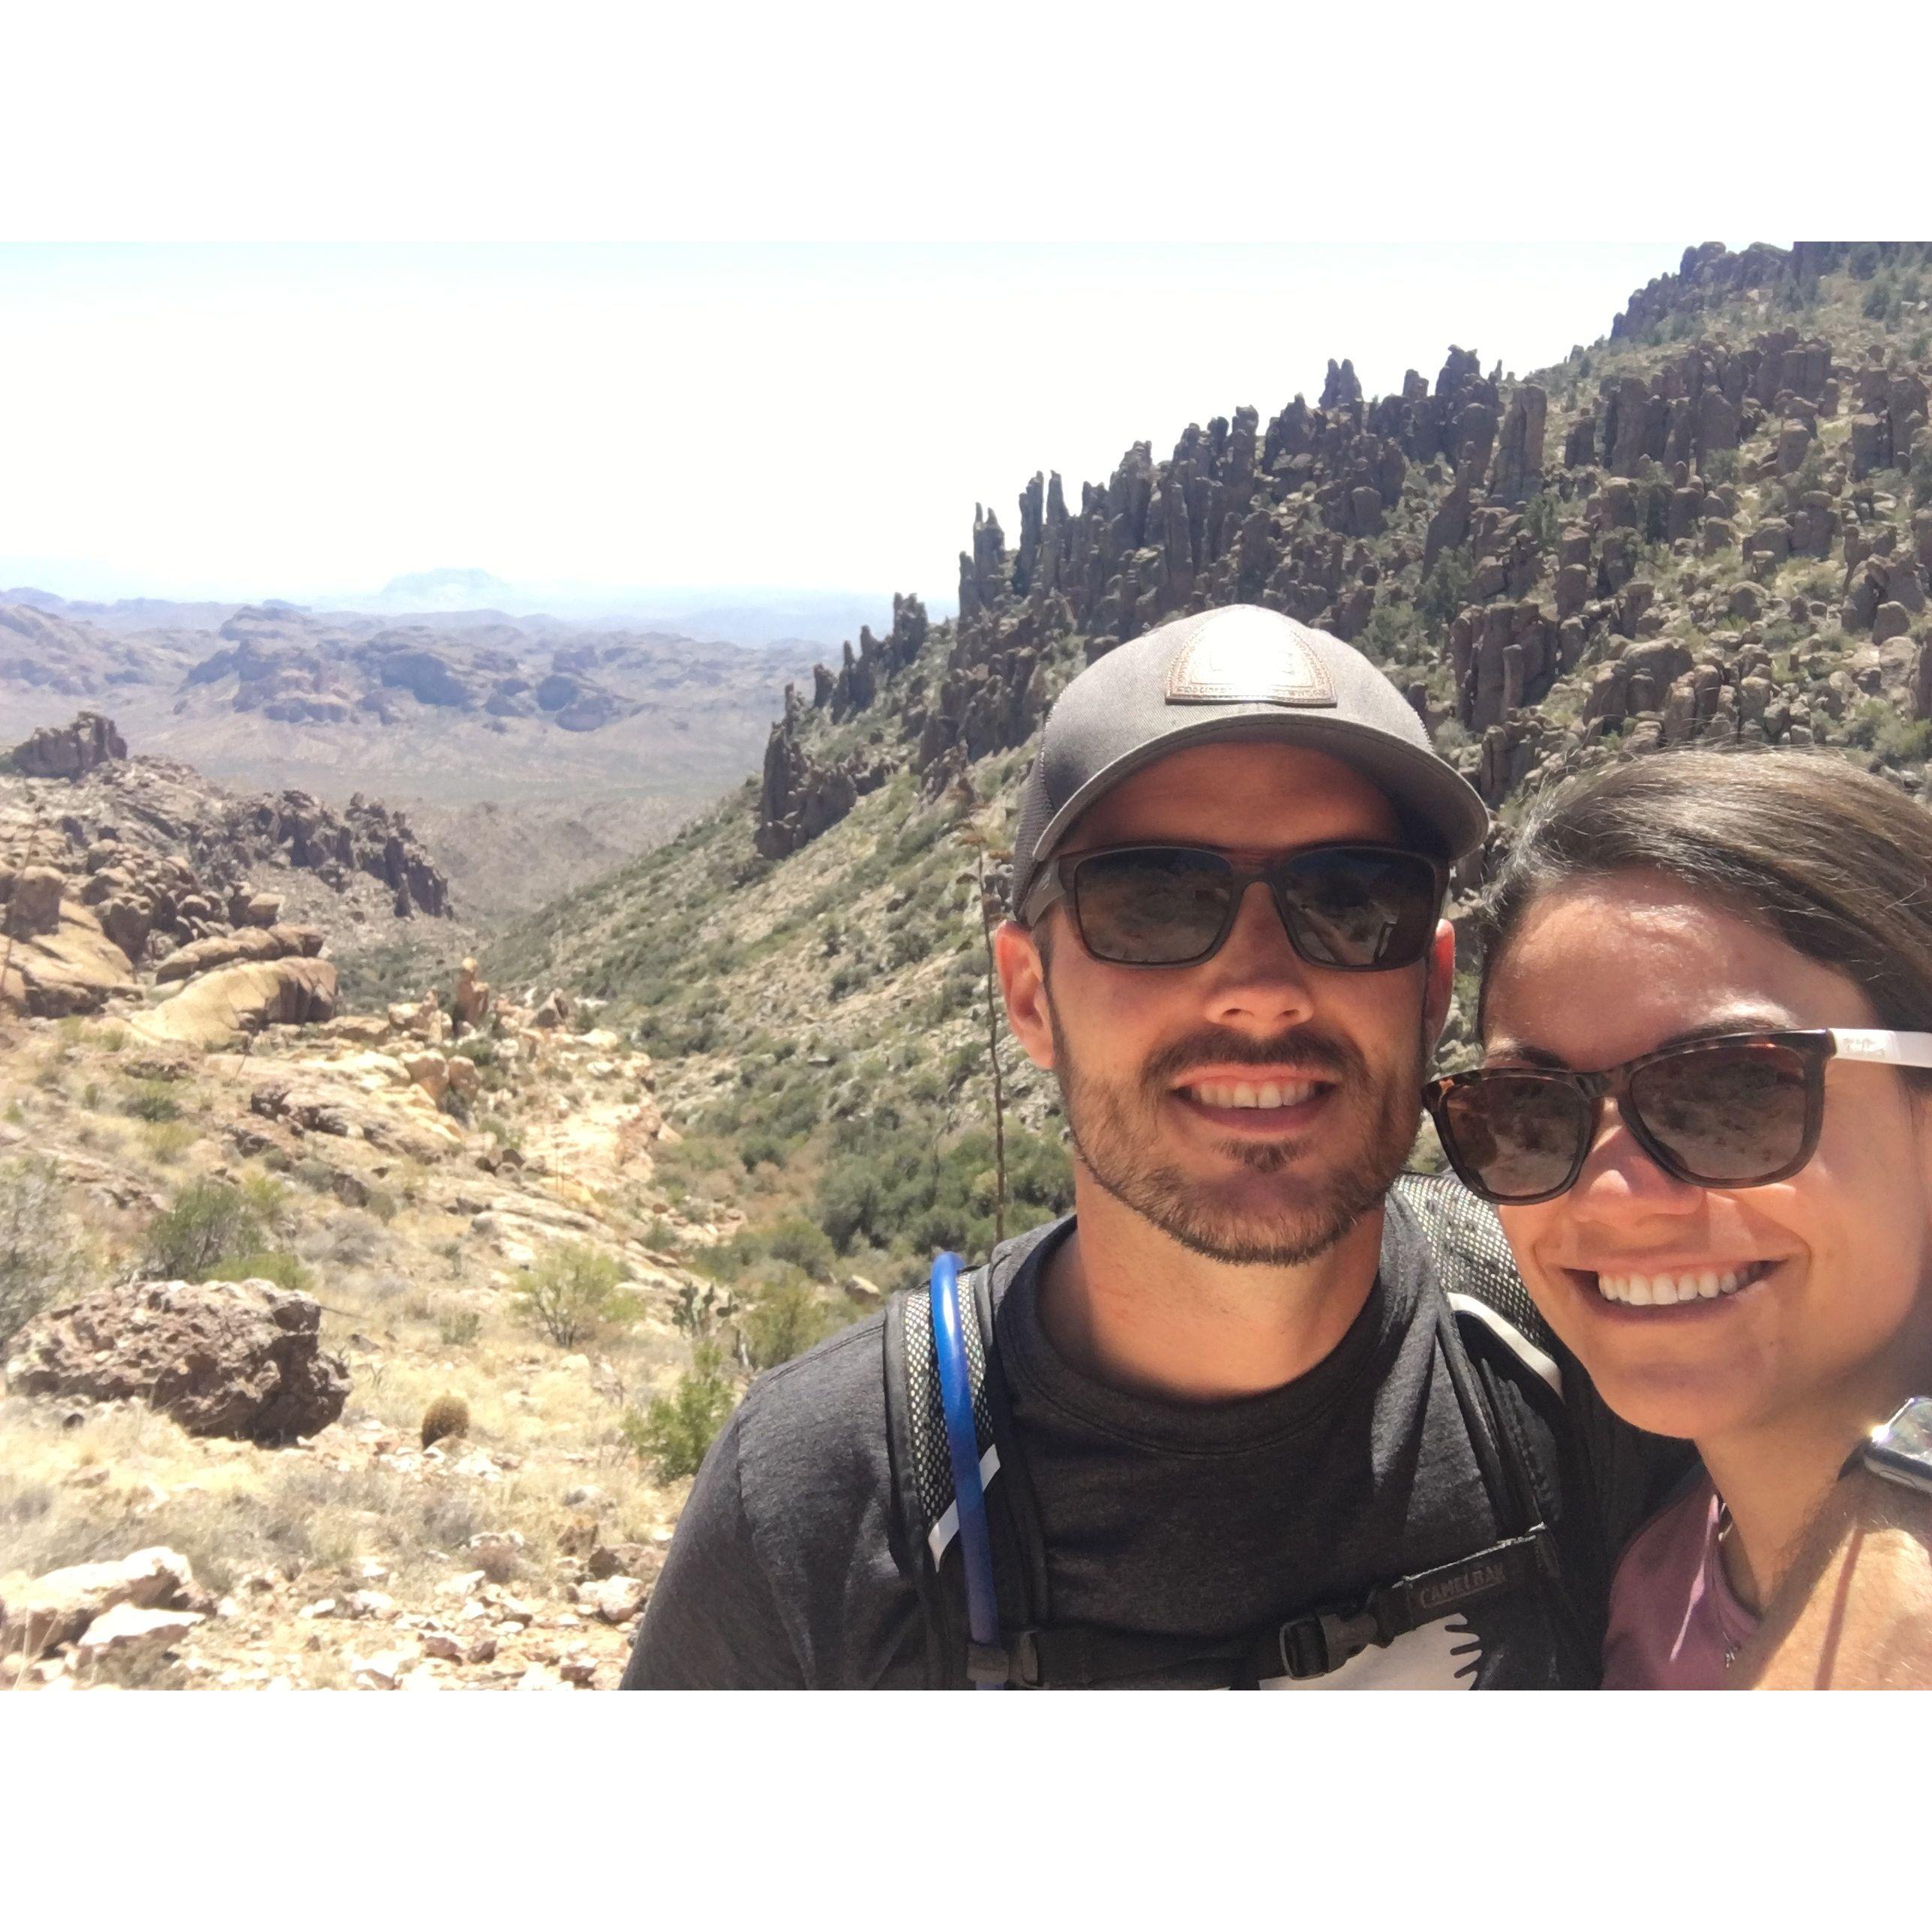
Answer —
1225 666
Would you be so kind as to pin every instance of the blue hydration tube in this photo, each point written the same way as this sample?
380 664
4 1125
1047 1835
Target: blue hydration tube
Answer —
962 1443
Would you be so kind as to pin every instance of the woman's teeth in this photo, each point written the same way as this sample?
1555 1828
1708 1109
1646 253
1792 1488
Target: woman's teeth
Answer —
1648 1291
1268 1093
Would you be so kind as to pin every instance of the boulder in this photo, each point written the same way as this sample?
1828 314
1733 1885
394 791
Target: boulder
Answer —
55 1609
33 901
430 1071
225 1007
1890 621
73 968
236 1358
228 948
126 1628
615 1599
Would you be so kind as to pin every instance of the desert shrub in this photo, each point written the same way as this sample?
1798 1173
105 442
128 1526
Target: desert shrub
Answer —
1720 465
783 1317
899 1191
672 1432
458 1327
908 944
38 1264
351 1239
448 1415
726 1261
572 1293
1904 740
802 1243
1921 475
1443 590
167 1140
209 1223
151 1100
1543 514
760 1145
276 1264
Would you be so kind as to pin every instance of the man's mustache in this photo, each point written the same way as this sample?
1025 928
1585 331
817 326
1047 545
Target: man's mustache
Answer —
1301 1048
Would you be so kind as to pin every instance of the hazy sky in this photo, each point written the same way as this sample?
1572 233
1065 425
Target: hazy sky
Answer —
309 421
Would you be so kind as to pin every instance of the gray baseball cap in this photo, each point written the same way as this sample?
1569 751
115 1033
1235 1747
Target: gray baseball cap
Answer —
1235 672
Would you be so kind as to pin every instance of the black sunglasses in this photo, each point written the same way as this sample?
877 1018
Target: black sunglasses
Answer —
1740 1110
1353 908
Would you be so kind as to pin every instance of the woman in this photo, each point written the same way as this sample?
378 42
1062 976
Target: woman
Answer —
1704 1116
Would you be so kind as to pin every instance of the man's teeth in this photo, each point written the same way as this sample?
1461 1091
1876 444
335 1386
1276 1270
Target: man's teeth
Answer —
1268 1094
1648 1291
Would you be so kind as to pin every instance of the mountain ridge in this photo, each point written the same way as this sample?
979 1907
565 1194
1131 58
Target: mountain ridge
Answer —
1700 528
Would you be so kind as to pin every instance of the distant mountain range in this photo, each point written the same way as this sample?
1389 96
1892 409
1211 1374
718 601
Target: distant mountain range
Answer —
455 706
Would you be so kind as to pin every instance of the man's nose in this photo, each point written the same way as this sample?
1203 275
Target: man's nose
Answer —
1258 976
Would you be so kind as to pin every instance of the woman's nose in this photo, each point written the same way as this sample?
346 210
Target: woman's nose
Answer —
1618 1178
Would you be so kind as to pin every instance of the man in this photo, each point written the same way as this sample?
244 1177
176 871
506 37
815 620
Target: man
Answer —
1240 1394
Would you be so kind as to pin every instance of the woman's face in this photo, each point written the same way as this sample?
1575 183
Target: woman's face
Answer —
1835 1260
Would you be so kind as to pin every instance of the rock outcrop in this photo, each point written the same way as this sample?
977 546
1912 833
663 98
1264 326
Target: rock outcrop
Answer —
240 1359
223 1008
799 797
71 752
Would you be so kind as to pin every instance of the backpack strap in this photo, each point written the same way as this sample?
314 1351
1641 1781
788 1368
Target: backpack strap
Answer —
1478 1277
1476 1268
926 1521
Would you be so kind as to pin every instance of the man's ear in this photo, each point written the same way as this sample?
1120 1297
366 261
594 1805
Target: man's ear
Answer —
1023 983
1440 987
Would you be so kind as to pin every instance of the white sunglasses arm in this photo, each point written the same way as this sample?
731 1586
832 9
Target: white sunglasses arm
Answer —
1892 1049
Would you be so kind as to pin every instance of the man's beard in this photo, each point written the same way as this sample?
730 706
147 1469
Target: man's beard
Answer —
1116 1131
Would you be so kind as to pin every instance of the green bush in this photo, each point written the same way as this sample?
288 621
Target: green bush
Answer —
572 1293
802 1243
151 1100
1921 475
210 1223
1443 590
891 1188
783 1317
457 1328
1904 740
276 1264
672 1432
38 1263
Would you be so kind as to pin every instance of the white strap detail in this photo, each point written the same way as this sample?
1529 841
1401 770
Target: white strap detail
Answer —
1513 1338
1892 1049
947 1527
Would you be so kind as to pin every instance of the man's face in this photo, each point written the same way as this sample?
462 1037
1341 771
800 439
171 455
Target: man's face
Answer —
1161 1069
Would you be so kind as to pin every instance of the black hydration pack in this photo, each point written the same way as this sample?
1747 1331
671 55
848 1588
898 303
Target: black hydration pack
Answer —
990 1569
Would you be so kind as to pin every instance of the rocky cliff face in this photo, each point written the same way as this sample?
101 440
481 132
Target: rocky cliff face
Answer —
114 869
1712 527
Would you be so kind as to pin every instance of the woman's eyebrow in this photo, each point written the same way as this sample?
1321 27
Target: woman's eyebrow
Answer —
1715 1028
1532 1056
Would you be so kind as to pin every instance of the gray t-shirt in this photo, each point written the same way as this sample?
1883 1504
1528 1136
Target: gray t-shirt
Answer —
1160 1519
